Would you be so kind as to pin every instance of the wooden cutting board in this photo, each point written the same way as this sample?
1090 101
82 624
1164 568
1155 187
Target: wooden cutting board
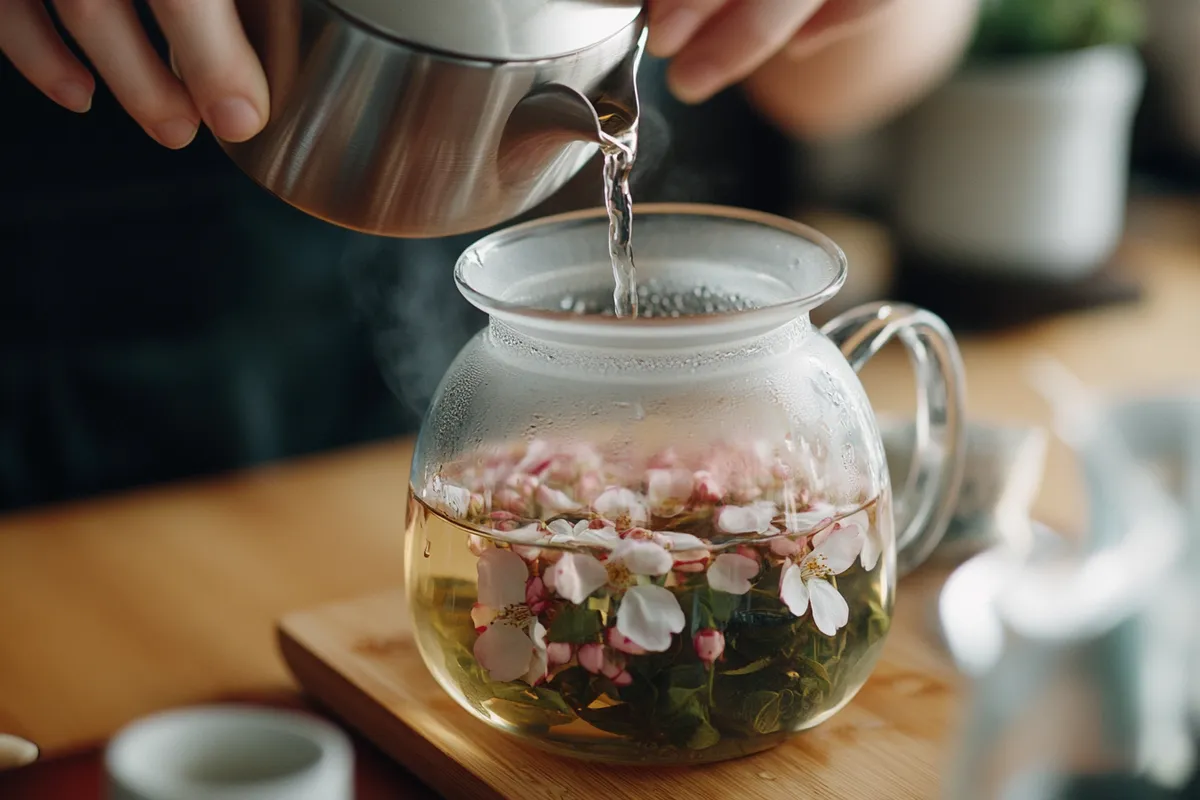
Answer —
359 659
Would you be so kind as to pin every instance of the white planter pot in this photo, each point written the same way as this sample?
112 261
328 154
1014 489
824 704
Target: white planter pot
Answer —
1173 47
1022 167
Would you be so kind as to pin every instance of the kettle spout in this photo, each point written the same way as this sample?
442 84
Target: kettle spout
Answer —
556 111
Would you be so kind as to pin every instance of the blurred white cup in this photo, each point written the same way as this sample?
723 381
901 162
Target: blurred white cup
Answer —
230 753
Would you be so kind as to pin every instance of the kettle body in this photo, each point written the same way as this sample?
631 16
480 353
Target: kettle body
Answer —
412 133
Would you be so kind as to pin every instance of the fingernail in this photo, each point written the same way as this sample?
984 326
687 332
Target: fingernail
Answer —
695 85
16 752
175 133
672 32
74 96
234 119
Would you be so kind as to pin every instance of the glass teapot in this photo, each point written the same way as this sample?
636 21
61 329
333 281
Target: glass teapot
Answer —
670 538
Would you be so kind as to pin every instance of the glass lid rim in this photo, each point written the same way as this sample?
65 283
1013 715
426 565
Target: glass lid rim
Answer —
793 306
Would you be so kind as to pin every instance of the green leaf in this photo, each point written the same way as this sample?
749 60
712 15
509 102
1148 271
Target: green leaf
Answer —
618 719
703 737
574 624
575 686
817 670
763 709
752 667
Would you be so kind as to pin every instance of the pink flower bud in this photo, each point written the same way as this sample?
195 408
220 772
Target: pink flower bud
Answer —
558 653
749 552
623 643
536 595
709 644
591 657
707 489
622 679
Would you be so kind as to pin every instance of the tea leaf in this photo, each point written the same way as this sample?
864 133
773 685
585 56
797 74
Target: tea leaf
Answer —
752 667
703 737
817 669
576 687
574 624
763 709
618 719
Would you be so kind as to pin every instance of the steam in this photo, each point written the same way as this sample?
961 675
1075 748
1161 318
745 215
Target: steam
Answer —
405 290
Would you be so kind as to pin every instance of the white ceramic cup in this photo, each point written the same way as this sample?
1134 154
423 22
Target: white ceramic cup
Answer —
230 753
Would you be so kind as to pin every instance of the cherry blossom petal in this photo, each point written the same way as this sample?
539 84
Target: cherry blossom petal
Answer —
539 663
732 573
838 551
560 528
505 651
648 616
754 518
618 502
482 615
783 546
792 590
554 502
526 534
576 576
679 542
642 558
502 576
538 452
871 549
606 537
624 644
450 498
668 488
805 521
829 609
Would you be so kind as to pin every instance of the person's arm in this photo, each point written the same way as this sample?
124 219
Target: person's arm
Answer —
852 79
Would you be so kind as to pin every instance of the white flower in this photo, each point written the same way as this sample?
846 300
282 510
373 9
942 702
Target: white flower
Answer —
624 506
527 540
582 532
447 497
754 518
732 573
554 502
647 614
807 583
857 524
871 545
689 553
806 521
668 490
514 643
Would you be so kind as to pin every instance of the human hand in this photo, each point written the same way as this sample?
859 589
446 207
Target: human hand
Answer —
714 44
216 79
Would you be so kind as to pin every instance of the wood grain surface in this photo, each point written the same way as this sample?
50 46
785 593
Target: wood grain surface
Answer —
117 607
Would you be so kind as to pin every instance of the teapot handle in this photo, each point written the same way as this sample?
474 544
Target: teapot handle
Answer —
925 505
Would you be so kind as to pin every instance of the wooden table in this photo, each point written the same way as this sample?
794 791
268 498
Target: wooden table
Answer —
114 608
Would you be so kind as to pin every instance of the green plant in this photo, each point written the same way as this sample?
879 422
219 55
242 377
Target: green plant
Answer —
1009 28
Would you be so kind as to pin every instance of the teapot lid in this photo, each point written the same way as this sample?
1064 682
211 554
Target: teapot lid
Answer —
496 30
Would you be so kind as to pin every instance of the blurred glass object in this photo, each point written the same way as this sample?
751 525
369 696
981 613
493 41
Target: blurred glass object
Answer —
1084 659
1001 478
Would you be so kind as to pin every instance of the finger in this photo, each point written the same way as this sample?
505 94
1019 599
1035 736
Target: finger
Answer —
28 38
734 43
275 25
113 38
217 64
832 22
672 23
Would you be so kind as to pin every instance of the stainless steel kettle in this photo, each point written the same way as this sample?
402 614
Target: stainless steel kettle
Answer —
424 118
